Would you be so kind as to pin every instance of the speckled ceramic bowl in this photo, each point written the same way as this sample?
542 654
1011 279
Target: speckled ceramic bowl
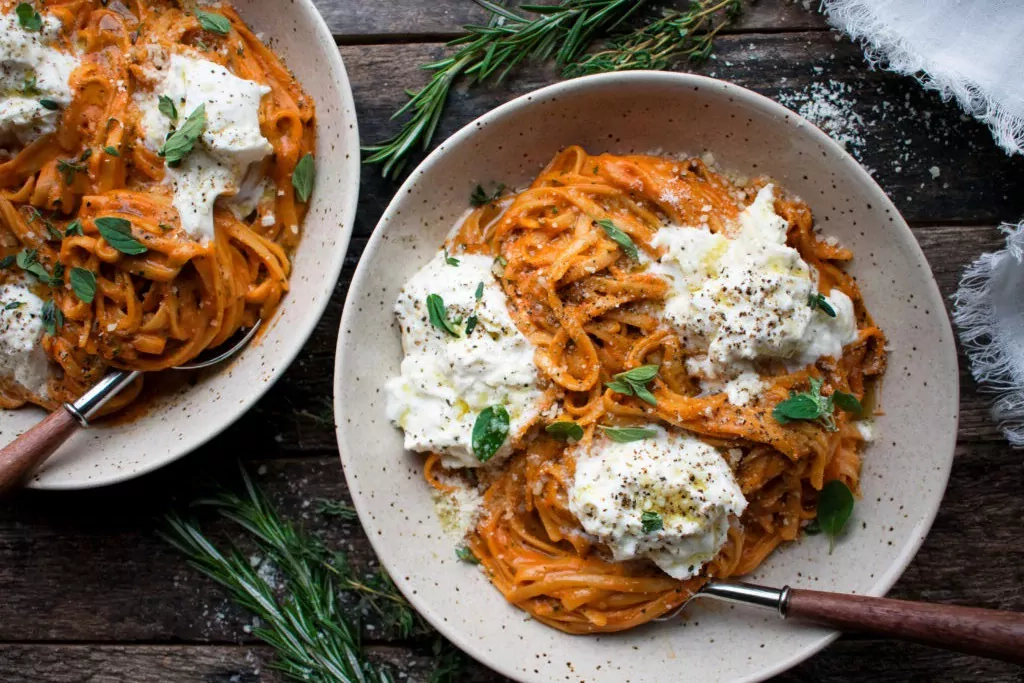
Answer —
182 420
905 470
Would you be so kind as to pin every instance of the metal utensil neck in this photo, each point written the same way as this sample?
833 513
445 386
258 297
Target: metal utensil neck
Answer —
776 599
93 400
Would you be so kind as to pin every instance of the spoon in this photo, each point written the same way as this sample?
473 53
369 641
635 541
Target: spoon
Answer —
983 632
22 456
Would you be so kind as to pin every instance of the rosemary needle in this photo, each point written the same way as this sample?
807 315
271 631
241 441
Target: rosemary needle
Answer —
561 31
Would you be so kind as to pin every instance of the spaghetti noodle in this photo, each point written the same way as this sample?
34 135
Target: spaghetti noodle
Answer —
169 294
591 313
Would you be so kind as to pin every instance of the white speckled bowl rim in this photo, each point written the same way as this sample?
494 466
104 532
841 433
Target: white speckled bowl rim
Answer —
905 470
181 421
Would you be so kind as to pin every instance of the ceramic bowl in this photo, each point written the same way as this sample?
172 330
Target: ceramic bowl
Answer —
183 420
905 469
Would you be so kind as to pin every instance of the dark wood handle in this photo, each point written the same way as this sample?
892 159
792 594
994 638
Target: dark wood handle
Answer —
23 455
985 632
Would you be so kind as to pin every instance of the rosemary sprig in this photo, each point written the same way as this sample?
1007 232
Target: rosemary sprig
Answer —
314 638
677 34
561 31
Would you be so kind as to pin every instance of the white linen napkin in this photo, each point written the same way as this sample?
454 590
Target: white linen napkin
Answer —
989 311
971 50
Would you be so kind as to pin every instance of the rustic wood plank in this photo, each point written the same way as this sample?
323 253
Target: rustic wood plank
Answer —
896 128
89 567
847 659
352 21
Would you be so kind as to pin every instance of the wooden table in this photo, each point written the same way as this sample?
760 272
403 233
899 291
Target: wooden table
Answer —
88 592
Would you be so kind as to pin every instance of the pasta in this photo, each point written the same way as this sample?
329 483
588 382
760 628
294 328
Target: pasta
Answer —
160 304
591 313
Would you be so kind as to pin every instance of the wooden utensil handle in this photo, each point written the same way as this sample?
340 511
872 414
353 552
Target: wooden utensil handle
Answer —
23 455
985 632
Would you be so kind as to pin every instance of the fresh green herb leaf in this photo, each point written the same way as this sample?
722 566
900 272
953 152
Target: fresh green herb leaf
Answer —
818 300
332 508
479 294
52 317
14 304
86 154
490 431
28 17
302 178
449 260
180 143
167 108
466 555
27 260
566 431
479 197
49 104
57 279
112 151
69 168
807 405
439 316
634 383
847 402
118 233
73 228
835 505
620 238
627 434
214 23
83 283
651 521
7 261
471 322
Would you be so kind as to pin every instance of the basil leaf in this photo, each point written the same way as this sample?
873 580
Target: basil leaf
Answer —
302 178
83 283
466 555
819 301
181 141
28 17
627 434
57 279
73 228
797 407
651 521
49 104
489 432
835 505
847 402
118 233
7 261
438 315
112 151
566 431
479 197
620 238
167 108
214 23
27 261
471 322
52 317
449 260
14 304
479 294
634 383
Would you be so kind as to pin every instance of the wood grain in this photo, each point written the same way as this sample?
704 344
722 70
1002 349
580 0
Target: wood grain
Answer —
25 454
411 20
998 634
90 593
